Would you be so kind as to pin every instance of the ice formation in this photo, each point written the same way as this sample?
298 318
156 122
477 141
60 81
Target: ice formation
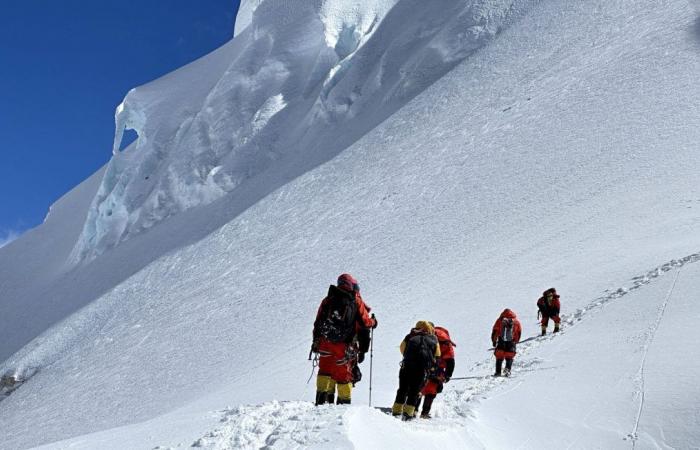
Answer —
301 81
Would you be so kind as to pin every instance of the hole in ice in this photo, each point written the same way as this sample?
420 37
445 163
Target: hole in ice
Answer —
128 138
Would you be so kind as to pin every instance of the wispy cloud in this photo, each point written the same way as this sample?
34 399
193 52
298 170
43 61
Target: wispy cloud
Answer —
7 236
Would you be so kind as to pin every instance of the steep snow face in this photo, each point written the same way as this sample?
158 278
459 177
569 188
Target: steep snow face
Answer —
299 83
31 270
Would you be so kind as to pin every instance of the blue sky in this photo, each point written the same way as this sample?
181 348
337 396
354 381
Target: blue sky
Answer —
64 67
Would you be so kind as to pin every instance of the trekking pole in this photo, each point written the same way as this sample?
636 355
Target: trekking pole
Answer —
371 357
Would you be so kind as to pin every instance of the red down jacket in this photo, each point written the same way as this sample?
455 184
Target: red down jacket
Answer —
505 350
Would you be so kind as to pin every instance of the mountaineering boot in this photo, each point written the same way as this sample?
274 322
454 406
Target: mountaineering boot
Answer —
544 330
344 393
427 404
409 412
397 409
419 399
509 365
321 397
325 389
499 364
556 328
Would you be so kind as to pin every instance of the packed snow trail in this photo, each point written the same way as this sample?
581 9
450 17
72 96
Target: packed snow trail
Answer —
590 393
275 425
300 424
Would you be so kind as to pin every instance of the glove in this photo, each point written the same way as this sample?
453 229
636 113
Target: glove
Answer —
360 357
314 346
447 379
375 321
493 343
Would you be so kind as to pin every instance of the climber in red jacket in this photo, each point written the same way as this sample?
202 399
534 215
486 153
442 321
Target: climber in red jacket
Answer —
504 337
341 322
549 306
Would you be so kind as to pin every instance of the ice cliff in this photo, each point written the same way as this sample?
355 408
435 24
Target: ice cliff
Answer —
298 83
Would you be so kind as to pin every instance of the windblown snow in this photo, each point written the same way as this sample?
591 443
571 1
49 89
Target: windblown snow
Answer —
457 160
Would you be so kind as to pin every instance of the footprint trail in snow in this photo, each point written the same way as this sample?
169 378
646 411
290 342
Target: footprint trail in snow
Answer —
298 424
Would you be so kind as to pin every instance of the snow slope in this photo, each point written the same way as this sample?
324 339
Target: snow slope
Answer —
632 408
292 91
32 271
562 153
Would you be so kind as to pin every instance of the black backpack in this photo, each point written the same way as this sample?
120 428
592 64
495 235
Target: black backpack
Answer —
338 316
506 330
419 353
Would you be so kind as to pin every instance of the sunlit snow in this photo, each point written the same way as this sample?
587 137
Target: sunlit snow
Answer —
456 160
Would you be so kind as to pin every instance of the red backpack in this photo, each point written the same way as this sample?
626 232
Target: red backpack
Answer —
446 345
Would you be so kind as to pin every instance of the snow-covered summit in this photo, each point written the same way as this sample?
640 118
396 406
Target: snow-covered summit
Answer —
299 83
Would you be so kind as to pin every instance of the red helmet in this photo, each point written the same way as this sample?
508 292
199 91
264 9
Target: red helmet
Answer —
347 282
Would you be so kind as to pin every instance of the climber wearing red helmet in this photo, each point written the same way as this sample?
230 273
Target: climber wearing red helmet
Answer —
340 337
